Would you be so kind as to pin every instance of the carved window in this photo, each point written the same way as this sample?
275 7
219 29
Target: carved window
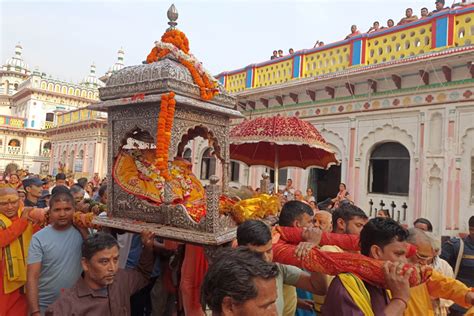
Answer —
47 146
389 171
208 165
187 154
14 143
49 117
234 171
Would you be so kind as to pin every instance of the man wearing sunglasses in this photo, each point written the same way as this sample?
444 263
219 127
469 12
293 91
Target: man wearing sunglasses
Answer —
437 286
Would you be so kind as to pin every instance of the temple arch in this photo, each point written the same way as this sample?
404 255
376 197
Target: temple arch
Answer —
385 134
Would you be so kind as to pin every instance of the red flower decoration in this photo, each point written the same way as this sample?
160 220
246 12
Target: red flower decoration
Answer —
467 94
297 113
340 108
429 98
396 102
318 111
366 105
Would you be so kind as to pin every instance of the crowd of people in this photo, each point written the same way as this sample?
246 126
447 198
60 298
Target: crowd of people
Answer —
408 18
254 279
35 191
323 258
279 53
289 192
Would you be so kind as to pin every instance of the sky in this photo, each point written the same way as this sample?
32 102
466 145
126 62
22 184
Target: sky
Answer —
63 38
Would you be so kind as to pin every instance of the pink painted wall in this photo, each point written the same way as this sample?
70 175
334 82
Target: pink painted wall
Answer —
350 171
449 207
457 198
418 173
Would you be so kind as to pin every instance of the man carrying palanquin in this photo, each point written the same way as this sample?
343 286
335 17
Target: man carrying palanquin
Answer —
437 286
15 236
348 294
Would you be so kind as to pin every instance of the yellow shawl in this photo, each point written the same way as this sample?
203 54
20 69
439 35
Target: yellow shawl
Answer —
358 292
15 256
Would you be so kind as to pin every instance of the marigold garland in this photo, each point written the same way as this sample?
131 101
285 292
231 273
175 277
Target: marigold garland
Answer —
163 133
177 38
207 88
156 54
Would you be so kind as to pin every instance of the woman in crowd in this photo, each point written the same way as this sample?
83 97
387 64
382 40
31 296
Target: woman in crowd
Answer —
89 188
14 181
309 197
342 196
383 213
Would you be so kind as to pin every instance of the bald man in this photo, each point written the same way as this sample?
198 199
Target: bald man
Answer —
323 220
437 286
15 237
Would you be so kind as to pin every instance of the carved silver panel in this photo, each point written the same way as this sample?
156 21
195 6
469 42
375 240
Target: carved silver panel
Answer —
167 219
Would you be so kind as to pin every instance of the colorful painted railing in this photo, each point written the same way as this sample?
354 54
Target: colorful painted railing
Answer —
78 116
48 125
10 121
443 30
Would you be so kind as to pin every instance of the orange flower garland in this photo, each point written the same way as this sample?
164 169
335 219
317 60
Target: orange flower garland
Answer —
177 38
207 89
163 133
156 54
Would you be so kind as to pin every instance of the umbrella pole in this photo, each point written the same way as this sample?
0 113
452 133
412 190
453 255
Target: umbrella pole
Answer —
277 163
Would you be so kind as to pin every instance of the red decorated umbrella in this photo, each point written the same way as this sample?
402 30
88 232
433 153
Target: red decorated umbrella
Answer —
280 142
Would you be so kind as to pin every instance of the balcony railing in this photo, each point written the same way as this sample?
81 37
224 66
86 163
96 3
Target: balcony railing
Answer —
446 29
47 125
79 115
397 209
13 150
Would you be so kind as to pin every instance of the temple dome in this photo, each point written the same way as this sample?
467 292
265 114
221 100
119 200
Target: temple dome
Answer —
91 81
119 64
16 62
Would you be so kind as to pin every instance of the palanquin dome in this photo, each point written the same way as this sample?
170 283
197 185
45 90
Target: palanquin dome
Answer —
167 72
163 75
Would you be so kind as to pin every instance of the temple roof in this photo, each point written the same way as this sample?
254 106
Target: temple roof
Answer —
91 80
16 62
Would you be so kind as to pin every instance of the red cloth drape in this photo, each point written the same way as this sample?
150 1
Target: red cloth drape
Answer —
368 269
294 235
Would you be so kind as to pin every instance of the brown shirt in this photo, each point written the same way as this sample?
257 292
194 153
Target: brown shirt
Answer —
112 301
339 302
